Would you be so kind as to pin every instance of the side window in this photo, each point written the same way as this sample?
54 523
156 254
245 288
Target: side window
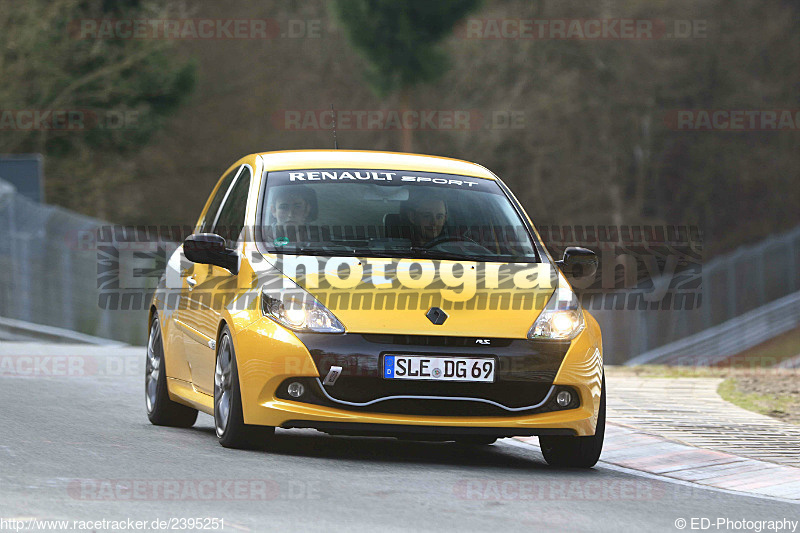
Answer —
231 217
211 213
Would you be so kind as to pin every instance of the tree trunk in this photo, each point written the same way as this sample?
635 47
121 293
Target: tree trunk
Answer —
407 133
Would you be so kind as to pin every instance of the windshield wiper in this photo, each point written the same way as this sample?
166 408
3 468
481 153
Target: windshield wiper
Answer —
400 252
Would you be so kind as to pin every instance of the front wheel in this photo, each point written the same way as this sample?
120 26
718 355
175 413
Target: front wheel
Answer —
229 424
577 452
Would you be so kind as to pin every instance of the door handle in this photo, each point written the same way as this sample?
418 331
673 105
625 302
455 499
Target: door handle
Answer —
191 281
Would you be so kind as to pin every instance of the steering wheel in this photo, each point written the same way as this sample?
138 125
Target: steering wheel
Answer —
463 239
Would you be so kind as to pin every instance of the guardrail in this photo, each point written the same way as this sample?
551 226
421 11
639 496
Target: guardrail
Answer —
734 336
48 279
730 286
20 330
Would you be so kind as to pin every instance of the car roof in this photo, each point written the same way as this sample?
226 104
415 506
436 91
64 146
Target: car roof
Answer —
307 159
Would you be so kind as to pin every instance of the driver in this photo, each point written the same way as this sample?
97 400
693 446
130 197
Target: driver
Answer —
291 208
428 216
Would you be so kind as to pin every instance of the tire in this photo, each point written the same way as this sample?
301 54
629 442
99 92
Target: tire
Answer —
476 440
577 452
229 424
160 409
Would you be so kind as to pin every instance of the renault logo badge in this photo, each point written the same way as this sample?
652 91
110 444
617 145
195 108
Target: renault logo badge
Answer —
436 315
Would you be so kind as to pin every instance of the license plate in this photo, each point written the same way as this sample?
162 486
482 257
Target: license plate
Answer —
423 367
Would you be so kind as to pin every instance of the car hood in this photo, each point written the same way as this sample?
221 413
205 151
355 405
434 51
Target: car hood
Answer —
395 296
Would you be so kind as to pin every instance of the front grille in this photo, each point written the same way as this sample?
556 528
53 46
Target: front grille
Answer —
524 373
434 408
509 393
424 406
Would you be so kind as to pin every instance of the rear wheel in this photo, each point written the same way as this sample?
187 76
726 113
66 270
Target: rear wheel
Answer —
228 417
577 452
160 409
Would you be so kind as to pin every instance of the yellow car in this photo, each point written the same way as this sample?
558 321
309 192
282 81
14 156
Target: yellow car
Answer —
374 293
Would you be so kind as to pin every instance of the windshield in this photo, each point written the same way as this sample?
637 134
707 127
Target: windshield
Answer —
391 213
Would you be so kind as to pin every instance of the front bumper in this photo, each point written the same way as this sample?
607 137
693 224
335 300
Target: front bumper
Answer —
416 431
410 398
520 402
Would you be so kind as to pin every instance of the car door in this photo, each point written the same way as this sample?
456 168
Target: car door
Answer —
185 317
211 288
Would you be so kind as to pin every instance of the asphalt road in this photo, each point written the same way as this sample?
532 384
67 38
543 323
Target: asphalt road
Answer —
78 446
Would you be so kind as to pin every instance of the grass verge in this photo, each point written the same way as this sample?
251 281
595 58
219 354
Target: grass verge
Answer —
778 396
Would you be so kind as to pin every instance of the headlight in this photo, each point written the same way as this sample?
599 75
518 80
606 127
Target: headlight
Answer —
562 317
298 311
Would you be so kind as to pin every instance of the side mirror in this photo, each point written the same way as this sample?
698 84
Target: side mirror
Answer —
578 262
209 249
